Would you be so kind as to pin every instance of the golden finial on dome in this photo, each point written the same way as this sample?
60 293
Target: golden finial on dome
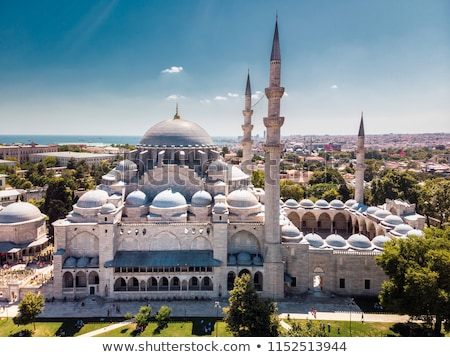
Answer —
177 116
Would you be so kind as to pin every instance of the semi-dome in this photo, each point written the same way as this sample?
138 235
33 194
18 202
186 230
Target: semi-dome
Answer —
177 132
136 198
336 241
415 232
242 199
379 241
169 199
93 199
337 204
322 204
314 240
372 210
306 203
201 199
359 241
19 212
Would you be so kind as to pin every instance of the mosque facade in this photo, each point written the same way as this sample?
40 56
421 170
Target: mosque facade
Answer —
174 221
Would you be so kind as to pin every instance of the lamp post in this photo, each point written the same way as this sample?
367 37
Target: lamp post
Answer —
217 307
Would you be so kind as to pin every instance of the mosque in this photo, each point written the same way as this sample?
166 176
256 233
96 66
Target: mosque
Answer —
174 221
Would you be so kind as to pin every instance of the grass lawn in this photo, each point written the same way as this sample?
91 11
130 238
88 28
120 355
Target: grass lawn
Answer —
197 327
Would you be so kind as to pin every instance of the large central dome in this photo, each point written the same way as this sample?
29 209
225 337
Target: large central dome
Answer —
176 132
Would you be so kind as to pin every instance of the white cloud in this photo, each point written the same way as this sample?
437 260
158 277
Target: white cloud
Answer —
234 95
205 101
175 97
219 97
173 69
258 94
334 86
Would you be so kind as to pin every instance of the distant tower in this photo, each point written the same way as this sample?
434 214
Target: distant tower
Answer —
360 164
273 265
247 129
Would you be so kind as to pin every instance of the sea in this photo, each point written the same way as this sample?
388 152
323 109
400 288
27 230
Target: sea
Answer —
91 140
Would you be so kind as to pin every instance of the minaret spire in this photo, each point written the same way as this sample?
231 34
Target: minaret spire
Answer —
272 148
360 163
247 129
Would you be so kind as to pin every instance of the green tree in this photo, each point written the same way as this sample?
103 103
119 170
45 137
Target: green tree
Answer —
434 199
142 318
419 277
248 315
393 184
289 189
29 308
163 317
258 178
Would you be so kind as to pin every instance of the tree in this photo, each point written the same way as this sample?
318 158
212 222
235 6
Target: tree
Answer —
434 199
142 318
163 316
248 315
29 308
289 189
258 178
419 276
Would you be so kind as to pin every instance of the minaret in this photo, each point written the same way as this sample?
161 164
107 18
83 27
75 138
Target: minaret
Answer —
273 265
247 129
360 164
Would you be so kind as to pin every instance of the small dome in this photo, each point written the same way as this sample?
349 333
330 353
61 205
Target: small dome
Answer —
291 203
306 203
232 259
322 204
350 203
70 262
336 241
92 199
108 208
314 240
415 232
82 262
136 198
201 199
257 260
169 199
359 241
392 220
126 165
217 165
382 213
242 199
290 231
243 258
19 212
379 241
402 229
220 208
372 210
337 204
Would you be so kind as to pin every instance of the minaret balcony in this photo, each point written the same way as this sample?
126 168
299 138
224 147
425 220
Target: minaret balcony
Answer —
274 92
273 122
273 148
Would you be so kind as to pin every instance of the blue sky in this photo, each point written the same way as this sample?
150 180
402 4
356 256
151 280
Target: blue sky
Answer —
119 67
